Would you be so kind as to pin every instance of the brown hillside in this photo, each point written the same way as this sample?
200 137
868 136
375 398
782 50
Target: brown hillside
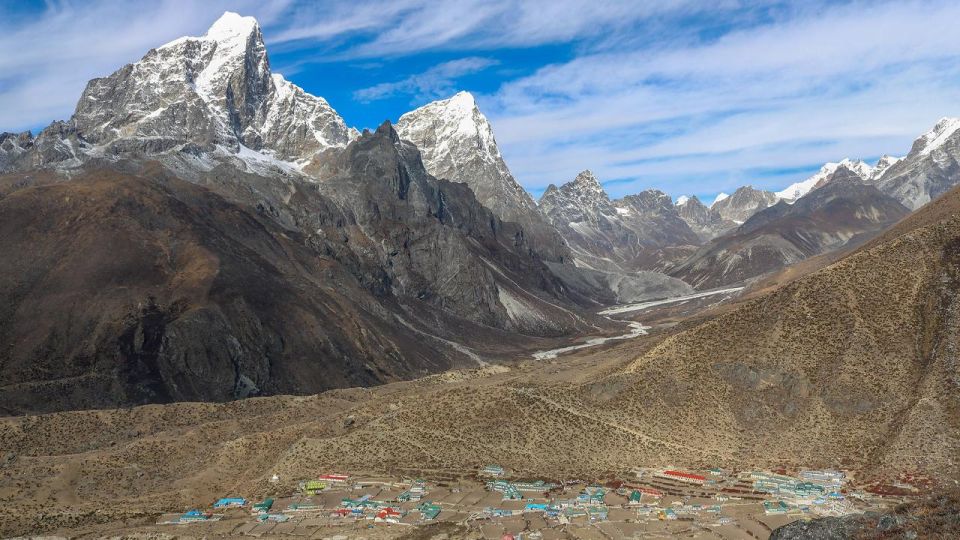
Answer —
856 359
851 366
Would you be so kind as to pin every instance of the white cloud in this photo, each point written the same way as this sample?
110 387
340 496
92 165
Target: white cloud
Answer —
433 83
400 27
686 96
857 80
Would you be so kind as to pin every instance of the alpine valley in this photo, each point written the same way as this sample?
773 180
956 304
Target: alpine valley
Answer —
211 285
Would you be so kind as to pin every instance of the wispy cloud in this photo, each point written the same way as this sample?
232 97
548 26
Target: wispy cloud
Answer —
400 27
854 80
433 83
683 95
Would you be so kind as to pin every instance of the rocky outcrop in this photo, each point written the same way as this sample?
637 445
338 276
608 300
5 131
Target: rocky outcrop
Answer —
936 516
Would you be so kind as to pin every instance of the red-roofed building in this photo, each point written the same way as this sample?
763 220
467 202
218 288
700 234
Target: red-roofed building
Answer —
389 515
681 476
339 478
650 491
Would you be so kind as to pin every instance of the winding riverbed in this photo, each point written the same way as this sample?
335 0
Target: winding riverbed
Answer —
636 329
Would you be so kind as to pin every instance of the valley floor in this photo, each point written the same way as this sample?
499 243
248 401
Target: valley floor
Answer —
95 473
725 506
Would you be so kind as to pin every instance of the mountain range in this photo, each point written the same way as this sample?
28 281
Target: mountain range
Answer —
213 285
249 243
248 240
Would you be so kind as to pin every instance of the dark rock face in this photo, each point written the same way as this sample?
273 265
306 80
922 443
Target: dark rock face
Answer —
138 288
132 290
845 211
933 517
705 221
437 243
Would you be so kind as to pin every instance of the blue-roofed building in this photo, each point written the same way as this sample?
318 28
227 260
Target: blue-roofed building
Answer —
230 502
193 516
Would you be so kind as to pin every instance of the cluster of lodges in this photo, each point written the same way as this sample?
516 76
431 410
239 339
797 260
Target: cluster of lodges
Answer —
515 490
366 507
360 508
590 504
813 490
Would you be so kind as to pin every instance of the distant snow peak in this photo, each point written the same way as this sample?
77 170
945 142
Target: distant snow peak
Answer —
720 196
882 165
799 189
682 200
933 139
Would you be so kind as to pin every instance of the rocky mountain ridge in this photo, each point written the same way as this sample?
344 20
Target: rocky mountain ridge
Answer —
844 210
930 169
623 235
413 274
456 142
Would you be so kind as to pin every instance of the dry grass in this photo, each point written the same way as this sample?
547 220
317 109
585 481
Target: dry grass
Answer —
852 366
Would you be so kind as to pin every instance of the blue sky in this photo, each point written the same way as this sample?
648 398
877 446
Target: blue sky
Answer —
686 96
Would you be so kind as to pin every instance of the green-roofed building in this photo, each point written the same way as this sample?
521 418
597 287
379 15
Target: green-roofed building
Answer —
429 510
263 507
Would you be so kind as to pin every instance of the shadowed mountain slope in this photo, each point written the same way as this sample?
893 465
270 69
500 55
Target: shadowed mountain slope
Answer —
842 212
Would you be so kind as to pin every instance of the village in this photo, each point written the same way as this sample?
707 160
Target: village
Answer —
496 504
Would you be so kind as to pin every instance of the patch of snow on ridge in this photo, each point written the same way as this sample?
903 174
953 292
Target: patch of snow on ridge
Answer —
799 189
682 200
933 139
720 196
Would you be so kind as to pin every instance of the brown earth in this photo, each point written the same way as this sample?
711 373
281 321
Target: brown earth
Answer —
120 289
851 366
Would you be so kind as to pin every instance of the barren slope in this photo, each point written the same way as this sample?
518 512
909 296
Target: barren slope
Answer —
850 366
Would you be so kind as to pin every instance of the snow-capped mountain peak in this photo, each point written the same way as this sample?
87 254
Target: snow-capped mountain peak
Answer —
933 139
456 142
720 196
884 163
213 95
682 200
231 26
799 189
